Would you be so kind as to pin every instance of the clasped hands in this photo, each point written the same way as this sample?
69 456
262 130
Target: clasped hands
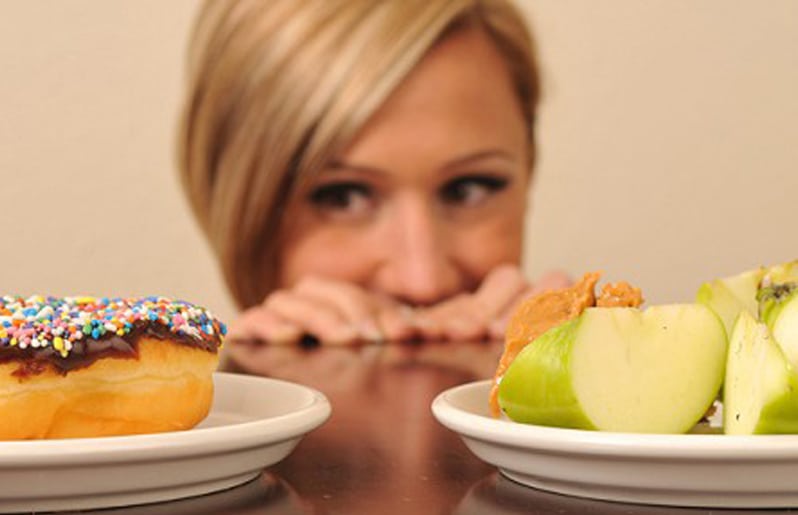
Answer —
340 313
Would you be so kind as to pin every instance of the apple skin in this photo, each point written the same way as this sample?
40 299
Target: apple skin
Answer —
537 387
780 416
620 369
761 386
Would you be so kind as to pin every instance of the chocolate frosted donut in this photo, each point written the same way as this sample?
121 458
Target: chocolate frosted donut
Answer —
84 367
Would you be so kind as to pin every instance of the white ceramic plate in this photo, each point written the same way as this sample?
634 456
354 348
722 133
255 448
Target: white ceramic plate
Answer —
709 470
254 422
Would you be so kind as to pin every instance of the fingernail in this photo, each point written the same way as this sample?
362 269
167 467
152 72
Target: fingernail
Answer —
234 333
464 327
285 334
498 327
425 326
408 313
370 332
346 334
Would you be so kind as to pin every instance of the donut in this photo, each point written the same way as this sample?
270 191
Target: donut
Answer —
74 367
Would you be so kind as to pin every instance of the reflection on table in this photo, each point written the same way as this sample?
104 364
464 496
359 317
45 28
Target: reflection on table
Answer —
498 495
382 451
266 494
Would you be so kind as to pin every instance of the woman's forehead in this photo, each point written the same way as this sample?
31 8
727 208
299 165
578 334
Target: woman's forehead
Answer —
459 101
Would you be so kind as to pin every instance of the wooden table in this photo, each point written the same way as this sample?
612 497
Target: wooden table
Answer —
382 452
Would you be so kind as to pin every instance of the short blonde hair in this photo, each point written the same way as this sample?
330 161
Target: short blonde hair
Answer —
278 87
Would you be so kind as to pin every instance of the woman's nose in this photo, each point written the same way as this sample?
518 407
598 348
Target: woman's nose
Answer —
418 265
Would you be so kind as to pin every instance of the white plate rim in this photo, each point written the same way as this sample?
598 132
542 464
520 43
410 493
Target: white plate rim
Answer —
134 448
696 470
244 435
639 445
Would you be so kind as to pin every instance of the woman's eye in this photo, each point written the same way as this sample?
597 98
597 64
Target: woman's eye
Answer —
342 197
471 190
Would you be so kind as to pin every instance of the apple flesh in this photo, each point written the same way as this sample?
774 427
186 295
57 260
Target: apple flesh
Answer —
780 274
730 296
620 369
781 317
760 393
776 288
750 291
778 307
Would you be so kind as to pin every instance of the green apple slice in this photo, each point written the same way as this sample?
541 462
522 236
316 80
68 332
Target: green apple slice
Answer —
776 287
760 393
780 314
731 295
620 369
780 274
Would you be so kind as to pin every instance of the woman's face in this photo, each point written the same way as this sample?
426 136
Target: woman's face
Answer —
431 195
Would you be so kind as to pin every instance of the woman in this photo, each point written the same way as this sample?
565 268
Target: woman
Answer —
360 168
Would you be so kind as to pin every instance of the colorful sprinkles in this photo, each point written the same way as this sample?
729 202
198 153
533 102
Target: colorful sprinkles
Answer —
40 322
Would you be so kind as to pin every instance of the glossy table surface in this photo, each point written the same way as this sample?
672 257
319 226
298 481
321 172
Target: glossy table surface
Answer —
382 451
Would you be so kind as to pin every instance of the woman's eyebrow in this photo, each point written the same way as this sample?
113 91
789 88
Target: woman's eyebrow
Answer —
337 164
479 156
458 161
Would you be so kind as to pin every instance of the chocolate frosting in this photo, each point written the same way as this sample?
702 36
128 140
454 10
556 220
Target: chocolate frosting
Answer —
85 352
70 333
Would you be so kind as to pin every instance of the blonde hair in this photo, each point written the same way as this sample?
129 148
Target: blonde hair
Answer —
277 88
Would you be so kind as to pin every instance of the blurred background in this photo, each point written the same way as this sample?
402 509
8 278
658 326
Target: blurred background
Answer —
668 141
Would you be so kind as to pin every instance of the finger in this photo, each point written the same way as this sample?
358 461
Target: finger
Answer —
473 316
465 330
499 289
354 304
313 315
553 280
398 322
261 324
458 318
498 328
430 321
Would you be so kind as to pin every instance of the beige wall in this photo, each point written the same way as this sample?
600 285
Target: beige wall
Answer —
668 139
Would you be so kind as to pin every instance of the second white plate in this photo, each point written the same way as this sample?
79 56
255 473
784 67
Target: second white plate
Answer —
254 422
707 470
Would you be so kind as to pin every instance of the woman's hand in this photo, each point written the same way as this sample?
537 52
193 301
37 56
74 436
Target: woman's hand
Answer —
333 312
341 313
484 313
